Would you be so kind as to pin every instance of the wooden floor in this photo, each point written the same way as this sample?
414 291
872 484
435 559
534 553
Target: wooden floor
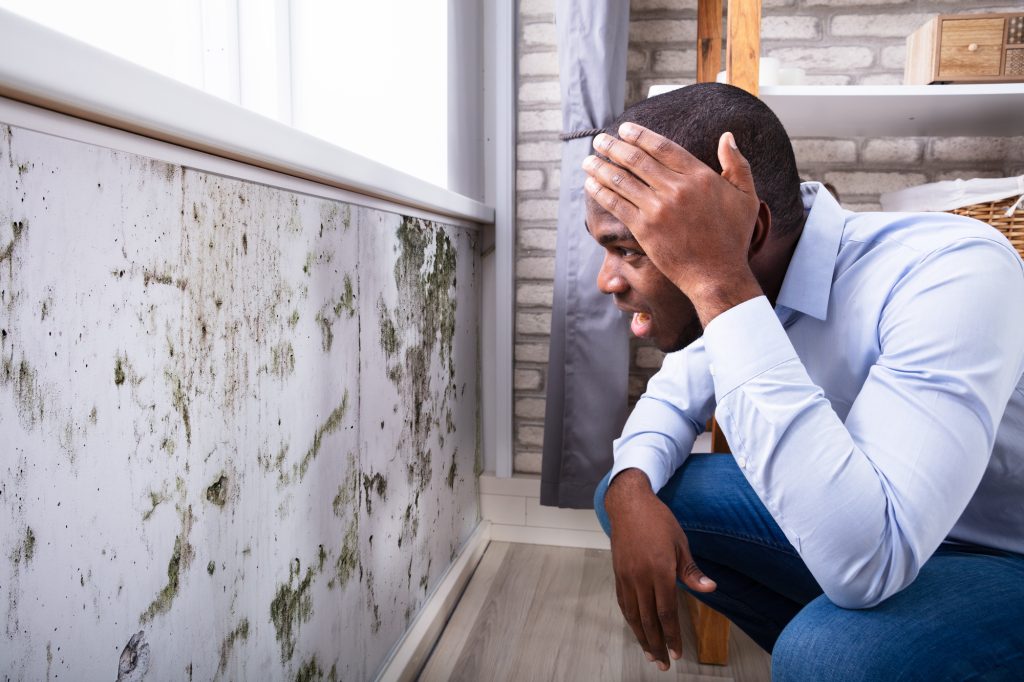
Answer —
549 613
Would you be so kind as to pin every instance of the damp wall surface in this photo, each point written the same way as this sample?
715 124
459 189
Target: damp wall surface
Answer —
238 424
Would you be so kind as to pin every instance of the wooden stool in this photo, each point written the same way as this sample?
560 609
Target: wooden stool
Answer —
743 51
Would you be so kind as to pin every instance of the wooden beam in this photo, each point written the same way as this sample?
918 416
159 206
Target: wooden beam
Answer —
711 630
709 40
743 46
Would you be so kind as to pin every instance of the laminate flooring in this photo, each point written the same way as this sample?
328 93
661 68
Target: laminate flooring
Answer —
535 613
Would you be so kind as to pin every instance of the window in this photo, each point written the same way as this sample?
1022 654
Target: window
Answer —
371 77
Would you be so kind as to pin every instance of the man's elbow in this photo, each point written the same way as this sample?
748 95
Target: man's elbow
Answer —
868 588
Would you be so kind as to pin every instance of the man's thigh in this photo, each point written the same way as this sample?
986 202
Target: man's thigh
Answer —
961 619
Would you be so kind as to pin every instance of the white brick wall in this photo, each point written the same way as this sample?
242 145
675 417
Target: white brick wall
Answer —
838 42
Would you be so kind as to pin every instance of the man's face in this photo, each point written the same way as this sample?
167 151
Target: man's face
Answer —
660 310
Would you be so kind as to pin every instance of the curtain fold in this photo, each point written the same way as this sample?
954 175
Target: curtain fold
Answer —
588 363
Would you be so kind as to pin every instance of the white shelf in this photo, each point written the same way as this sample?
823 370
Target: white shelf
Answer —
896 110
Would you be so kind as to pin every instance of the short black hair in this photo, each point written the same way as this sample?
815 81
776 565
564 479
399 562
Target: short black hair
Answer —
696 116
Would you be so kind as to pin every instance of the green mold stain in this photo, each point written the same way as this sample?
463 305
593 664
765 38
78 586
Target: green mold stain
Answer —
333 675
239 633
321 556
28 395
349 490
181 403
217 493
181 557
291 607
326 331
308 266
282 360
293 319
310 671
155 499
330 425
29 546
388 333
346 303
348 557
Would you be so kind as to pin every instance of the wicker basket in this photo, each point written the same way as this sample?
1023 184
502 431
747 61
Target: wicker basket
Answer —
994 213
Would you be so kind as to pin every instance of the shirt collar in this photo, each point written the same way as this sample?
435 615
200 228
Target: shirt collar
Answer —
808 280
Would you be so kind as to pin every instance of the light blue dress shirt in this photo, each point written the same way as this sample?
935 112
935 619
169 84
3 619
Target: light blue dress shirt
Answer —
878 410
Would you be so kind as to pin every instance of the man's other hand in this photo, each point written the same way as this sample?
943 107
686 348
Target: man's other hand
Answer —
649 551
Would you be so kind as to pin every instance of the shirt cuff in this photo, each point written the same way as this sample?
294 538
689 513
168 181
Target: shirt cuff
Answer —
743 342
648 460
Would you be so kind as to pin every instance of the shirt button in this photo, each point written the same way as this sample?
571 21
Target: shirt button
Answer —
711 369
742 461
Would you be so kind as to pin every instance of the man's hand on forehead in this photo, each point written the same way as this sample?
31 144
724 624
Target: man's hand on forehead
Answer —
692 222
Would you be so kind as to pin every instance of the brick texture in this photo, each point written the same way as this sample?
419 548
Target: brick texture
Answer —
837 42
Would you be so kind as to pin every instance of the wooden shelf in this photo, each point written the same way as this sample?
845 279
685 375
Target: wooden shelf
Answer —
895 110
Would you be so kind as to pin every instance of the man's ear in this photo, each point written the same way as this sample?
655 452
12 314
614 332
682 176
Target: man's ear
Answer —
762 227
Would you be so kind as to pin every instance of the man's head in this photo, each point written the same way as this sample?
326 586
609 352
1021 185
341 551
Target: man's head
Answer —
695 117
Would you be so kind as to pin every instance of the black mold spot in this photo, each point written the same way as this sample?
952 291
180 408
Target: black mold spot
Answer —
118 371
134 660
217 493
245 243
29 545
452 472
211 567
18 228
373 483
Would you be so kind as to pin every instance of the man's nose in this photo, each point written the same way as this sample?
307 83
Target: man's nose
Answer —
609 280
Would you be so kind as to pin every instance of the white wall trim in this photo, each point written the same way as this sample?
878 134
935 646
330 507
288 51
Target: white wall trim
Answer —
33 118
512 505
504 229
412 651
42 67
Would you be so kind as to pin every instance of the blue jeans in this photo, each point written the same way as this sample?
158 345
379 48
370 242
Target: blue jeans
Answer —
961 619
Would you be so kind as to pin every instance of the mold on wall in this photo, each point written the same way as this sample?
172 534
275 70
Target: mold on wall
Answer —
237 424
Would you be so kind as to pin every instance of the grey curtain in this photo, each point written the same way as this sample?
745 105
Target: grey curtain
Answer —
588 365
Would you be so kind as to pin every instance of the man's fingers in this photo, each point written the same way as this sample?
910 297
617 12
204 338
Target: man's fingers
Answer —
668 614
619 180
611 201
632 158
650 618
692 576
664 150
735 167
631 612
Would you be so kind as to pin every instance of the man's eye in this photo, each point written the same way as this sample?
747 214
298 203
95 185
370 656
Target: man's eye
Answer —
629 253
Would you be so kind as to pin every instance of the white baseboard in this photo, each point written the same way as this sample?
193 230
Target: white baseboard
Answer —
411 653
512 505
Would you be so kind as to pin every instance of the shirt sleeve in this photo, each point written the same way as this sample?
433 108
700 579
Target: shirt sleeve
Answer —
660 432
867 501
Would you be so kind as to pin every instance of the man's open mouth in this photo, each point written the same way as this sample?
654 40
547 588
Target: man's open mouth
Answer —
641 324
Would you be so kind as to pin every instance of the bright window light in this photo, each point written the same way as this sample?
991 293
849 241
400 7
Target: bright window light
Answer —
371 77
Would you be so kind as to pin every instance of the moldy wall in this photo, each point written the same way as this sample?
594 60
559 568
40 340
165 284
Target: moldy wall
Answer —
238 424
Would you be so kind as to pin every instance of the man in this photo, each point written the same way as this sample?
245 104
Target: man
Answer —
867 372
